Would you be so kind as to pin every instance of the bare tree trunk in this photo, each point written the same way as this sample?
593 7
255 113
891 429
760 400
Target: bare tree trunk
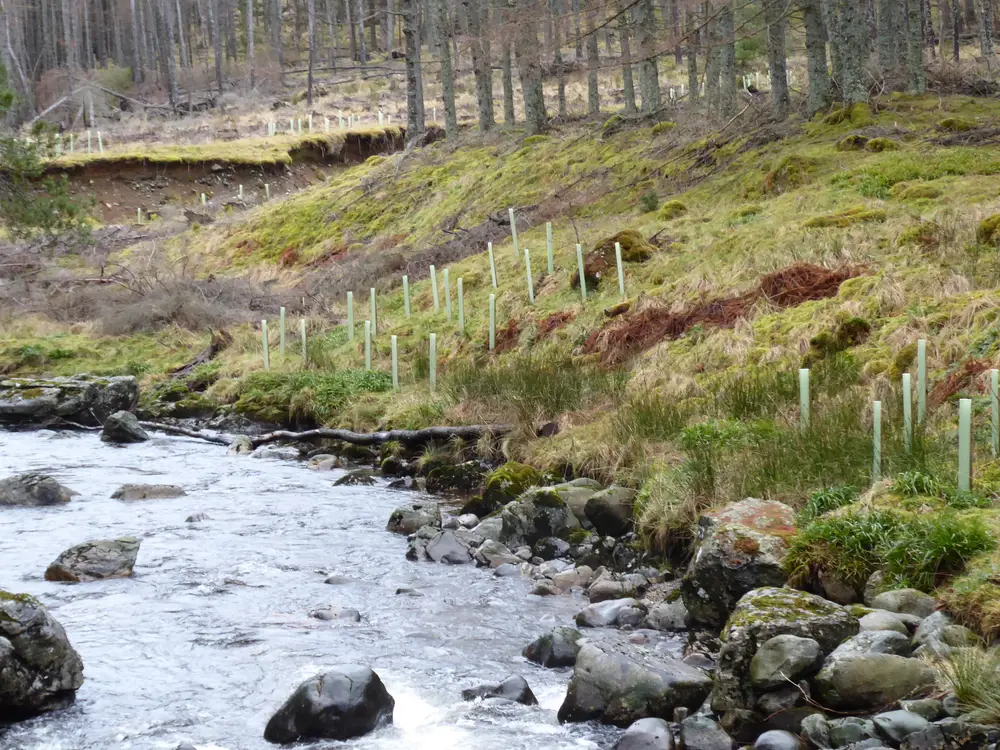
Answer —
137 71
727 61
390 24
350 25
312 51
853 36
332 26
447 77
166 12
250 41
593 63
956 29
411 39
67 21
970 15
14 59
362 49
712 60
628 85
480 64
986 28
213 20
645 38
819 75
555 9
887 36
530 70
914 47
579 29
675 29
691 18
831 22
774 11
507 78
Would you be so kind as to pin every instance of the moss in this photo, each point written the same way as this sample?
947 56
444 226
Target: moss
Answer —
672 210
847 334
601 261
915 192
859 115
956 124
663 127
746 211
859 610
903 360
854 142
533 140
925 235
988 231
612 125
846 218
577 536
304 396
878 145
547 499
791 172
974 597
509 482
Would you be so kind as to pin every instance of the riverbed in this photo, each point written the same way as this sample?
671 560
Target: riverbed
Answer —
213 631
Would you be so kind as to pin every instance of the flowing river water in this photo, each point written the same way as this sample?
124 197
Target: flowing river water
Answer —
213 631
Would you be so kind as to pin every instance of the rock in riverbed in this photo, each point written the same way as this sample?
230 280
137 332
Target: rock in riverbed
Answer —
83 399
514 688
346 702
556 649
123 428
33 491
39 669
409 520
646 734
147 492
93 561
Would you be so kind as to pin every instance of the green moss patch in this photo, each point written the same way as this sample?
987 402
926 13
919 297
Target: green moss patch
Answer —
915 192
304 396
988 231
878 145
956 124
846 218
925 235
672 210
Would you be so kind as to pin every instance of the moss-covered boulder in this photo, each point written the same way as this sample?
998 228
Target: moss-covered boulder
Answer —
663 127
537 515
174 398
850 681
878 145
910 192
956 124
859 115
671 210
601 261
791 172
988 231
854 142
846 218
506 484
462 478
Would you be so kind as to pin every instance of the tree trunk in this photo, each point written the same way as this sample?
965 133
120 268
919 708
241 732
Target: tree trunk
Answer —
353 32
447 77
530 70
311 20
712 59
168 22
774 11
853 41
986 28
675 30
887 33
213 19
331 23
819 76
970 14
180 33
362 49
279 38
914 48
411 39
250 41
629 86
727 61
390 23
579 30
691 18
506 76
480 64
137 72
956 29
645 38
593 63
831 22
67 22
555 8
947 27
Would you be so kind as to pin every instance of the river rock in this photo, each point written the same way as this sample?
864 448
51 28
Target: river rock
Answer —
777 739
646 734
742 547
782 658
468 520
929 708
147 492
555 649
758 617
906 601
197 517
613 613
668 615
937 635
489 528
409 520
447 547
506 484
83 399
617 686
704 733
816 730
39 669
610 511
552 568
958 735
607 585
573 578
33 491
858 681
552 548
882 619
241 446
851 730
276 453
896 726
122 428
546 588
494 554
330 613
356 478
875 642
93 561
539 514
514 688
464 478
346 702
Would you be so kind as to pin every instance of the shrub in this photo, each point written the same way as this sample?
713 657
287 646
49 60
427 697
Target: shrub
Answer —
827 499
846 218
916 484
931 548
649 416
649 201
667 511
672 210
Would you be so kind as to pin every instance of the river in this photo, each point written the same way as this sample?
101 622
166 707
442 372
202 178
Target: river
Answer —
212 633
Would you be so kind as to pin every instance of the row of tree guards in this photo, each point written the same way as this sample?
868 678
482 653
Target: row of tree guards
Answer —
964 418
349 121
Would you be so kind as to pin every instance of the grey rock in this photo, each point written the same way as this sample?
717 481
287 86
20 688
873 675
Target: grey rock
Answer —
951 705
617 686
276 453
609 586
446 547
858 681
326 462
741 547
84 399
122 428
782 658
939 634
777 739
896 726
338 580
875 642
783 699
450 522
552 568
356 478
538 514
341 614
197 517
882 619
147 492
406 591
546 588
490 528
468 520
417 542
409 520
241 446
646 734
668 615
507 570
555 649
873 586
552 548
513 688
613 613
346 702
869 744
524 553
956 735
39 669
906 601
702 733
850 730
92 561
33 490
836 590
816 731
929 708
576 495
403 483
573 578
610 511
494 554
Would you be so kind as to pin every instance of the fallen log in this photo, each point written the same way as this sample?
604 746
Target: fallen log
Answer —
184 432
220 341
406 437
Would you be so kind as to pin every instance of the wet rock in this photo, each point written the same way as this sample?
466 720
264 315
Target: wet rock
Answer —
92 561
937 635
928 708
875 642
857 681
276 453
546 588
403 483
356 478
575 495
468 520
489 528
241 446
446 547
197 517
703 733
33 491
573 578
952 736
896 726
122 428
778 740
341 614
883 620
783 658
607 585
551 548
618 686
83 399
783 699
906 601
409 520
514 688
610 511
326 462
337 580
668 615
742 547
394 466
850 730
614 613
494 554
509 570
39 669
461 478
646 734
406 591
349 701
539 514
816 730
147 492
555 649
761 615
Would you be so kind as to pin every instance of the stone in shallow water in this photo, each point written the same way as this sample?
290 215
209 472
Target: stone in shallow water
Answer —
123 427
147 492
555 649
513 688
341 614
33 491
196 517
92 561
777 740
646 734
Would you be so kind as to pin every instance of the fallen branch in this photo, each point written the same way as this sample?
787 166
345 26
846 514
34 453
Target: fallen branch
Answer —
220 341
183 432
407 437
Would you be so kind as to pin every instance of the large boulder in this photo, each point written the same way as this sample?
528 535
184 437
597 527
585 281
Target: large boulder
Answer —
556 649
82 399
461 478
618 687
759 616
701 732
610 511
506 484
858 681
93 561
130 492
742 547
39 669
408 521
123 428
346 702
447 547
540 513
33 491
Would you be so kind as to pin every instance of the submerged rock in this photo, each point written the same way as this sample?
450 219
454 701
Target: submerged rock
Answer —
123 428
147 492
33 491
346 702
514 688
39 669
83 399
356 478
619 687
93 561
556 649
330 613
409 520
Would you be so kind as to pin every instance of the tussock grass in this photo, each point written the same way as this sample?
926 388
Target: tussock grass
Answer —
974 676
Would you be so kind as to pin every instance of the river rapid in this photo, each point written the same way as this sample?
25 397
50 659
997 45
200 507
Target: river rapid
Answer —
213 631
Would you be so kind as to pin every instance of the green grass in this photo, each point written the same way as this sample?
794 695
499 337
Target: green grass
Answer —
306 396
974 676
